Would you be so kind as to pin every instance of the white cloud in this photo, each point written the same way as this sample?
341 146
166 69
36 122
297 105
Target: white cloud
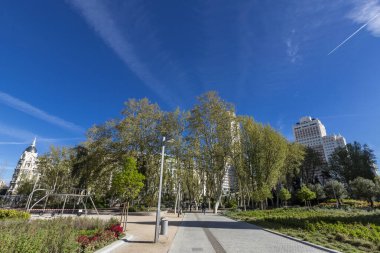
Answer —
26 137
18 134
100 19
37 113
292 50
13 143
367 12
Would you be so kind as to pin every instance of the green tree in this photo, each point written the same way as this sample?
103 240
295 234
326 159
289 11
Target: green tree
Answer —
210 128
140 133
311 166
96 161
55 170
295 157
319 191
292 166
25 186
306 195
285 196
127 184
352 161
363 189
264 153
335 189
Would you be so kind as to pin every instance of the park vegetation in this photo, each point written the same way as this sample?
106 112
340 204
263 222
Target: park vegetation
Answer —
346 231
19 234
120 160
119 165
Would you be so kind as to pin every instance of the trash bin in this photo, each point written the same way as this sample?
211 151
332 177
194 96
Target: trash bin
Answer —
164 226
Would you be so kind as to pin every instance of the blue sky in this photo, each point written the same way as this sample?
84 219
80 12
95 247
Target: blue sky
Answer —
66 65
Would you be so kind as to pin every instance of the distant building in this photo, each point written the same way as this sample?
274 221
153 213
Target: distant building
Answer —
229 180
332 142
25 168
311 133
230 183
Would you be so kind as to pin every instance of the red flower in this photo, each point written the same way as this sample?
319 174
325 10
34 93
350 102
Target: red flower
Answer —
83 240
117 229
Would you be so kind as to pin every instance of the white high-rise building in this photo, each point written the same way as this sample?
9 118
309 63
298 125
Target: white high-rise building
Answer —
230 178
311 133
330 143
25 168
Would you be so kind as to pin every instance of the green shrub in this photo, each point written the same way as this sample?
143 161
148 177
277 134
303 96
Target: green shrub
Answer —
231 204
346 230
13 214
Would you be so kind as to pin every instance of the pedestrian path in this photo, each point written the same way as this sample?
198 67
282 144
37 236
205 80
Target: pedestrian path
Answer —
216 233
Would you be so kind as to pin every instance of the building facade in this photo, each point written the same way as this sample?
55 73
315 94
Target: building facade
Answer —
25 168
332 142
311 133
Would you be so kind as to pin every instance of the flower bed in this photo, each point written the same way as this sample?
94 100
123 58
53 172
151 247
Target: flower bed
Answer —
57 235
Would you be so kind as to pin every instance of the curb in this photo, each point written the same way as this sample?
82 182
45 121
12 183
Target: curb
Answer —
114 245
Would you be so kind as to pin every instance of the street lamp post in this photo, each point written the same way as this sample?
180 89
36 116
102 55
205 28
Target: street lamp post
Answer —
156 234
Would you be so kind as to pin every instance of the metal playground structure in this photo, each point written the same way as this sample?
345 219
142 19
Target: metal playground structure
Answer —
43 201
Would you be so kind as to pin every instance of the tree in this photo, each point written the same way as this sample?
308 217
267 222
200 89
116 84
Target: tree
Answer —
363 189
319 192
127 184
352 161
312 165
55 170
210 127
140 133
305 194
295 157
263 153
25 186
97 159
285 196
336 190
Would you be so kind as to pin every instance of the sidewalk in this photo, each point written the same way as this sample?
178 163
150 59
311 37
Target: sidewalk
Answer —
142 230
216 233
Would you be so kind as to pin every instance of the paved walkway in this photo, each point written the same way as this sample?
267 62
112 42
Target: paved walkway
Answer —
215 233
141 228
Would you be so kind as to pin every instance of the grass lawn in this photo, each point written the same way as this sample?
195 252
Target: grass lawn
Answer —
346 231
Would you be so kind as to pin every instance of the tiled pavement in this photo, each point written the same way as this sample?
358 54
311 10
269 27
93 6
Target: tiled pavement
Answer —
216 233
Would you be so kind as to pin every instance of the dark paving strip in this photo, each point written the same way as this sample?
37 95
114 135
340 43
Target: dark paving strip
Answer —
211 238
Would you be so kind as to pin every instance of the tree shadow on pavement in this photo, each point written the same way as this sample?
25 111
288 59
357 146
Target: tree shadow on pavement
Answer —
205 224
131 241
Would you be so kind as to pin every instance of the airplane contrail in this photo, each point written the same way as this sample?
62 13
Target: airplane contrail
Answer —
349 37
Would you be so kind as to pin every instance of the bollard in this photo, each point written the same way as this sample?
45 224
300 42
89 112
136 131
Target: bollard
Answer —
164 226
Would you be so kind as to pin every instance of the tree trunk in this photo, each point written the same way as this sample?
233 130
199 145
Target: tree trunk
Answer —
176 202
278 188
124 215
216 206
